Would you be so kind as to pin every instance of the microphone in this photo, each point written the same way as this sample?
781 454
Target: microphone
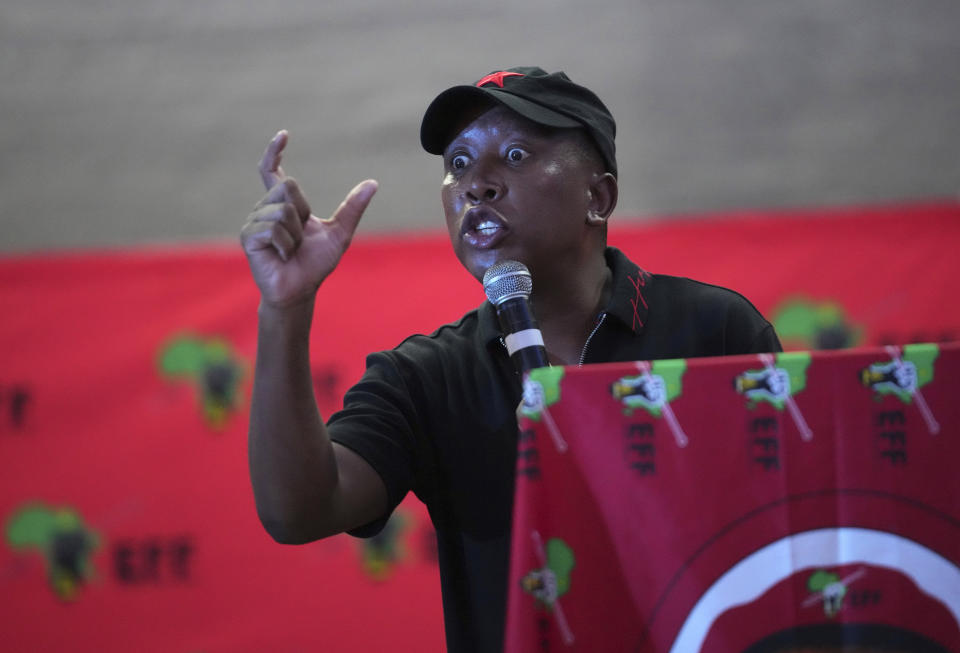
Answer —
508 286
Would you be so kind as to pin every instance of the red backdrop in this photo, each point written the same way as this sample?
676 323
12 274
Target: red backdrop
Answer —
124 382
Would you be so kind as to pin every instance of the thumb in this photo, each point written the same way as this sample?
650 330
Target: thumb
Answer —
351 209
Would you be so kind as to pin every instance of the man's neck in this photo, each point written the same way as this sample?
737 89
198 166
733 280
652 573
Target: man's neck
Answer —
567 311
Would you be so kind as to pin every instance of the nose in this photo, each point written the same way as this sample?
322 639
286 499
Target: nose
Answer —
481 184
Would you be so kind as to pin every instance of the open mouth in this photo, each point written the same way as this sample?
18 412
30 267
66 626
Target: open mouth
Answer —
481 225
487 227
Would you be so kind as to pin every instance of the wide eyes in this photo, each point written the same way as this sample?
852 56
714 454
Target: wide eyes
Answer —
513 155
516 154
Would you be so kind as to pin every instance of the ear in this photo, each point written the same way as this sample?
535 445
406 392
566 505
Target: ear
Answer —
602 198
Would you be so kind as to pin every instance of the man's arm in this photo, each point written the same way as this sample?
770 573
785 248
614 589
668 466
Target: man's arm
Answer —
305 487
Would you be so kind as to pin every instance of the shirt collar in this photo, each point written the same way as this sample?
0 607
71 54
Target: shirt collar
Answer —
628 300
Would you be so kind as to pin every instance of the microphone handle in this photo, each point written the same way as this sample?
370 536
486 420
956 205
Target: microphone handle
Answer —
522 335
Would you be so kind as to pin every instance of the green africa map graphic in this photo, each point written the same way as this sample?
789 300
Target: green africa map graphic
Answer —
541 389
651 391
212 367
803 323
551 581
903 376
776 383
60 536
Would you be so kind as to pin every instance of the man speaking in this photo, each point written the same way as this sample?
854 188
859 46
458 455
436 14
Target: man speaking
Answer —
529 175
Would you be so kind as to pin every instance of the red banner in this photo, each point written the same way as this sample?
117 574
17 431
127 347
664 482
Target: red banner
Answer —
740 503
128 520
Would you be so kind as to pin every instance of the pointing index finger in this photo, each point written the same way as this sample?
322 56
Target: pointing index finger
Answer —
270 170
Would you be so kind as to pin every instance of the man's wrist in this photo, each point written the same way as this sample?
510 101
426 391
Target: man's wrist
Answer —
299 313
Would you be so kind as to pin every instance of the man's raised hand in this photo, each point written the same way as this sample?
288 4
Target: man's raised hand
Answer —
290 250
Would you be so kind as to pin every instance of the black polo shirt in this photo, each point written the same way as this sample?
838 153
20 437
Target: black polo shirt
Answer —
436 415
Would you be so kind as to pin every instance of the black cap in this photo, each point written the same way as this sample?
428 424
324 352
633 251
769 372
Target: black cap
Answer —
549 99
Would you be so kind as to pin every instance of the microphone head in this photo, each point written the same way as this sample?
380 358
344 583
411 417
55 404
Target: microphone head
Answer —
506 280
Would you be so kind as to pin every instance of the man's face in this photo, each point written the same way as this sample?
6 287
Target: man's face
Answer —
513 190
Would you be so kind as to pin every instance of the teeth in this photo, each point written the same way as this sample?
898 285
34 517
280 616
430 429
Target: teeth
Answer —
487 226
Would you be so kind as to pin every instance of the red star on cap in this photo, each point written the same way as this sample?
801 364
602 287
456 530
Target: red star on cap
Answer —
497 78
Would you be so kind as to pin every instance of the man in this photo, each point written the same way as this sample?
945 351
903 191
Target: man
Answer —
529 175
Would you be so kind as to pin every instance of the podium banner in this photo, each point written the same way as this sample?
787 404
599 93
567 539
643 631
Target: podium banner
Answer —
786 502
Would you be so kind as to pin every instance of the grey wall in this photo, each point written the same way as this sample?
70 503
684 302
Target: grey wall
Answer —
123 121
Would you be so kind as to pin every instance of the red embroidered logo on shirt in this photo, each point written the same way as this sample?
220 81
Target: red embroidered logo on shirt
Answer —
638 283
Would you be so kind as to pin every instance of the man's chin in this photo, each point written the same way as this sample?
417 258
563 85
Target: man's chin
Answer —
477 262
